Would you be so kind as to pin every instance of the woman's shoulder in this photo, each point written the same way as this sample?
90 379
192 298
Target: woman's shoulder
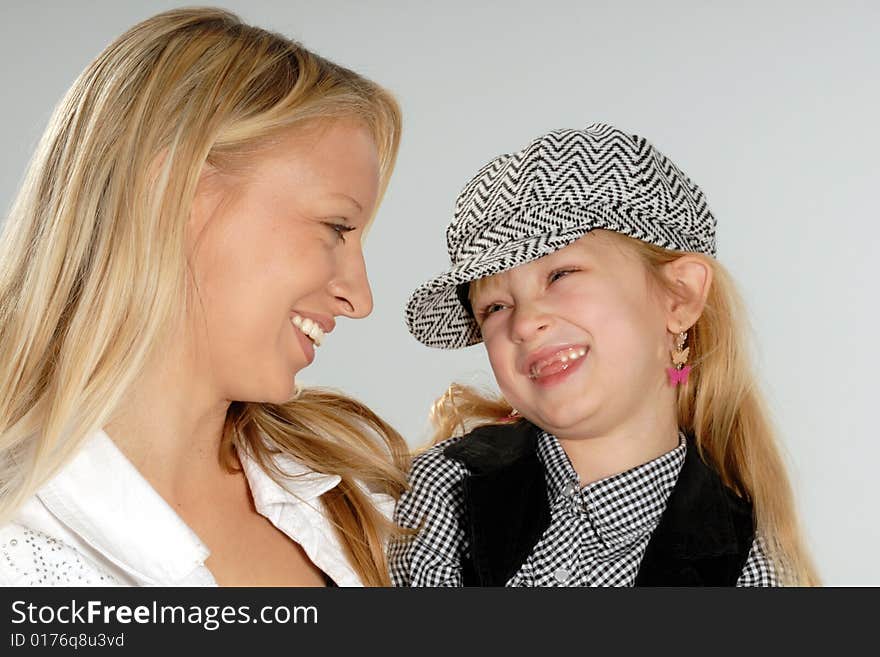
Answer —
31 557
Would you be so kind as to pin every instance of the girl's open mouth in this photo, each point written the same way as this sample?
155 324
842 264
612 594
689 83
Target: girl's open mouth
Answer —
557 365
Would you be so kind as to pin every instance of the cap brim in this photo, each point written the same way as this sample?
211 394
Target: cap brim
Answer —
434 314
436 317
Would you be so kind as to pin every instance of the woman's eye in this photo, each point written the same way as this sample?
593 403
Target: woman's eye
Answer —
559 273
339 229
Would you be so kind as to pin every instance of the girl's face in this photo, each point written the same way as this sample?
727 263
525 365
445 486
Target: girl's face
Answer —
276 243
578 339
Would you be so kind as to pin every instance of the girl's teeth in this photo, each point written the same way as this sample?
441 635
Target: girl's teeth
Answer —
563 357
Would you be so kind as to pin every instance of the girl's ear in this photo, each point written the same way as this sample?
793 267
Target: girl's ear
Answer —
690 277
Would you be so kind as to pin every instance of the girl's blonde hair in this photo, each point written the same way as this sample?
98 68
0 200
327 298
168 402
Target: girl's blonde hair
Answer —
93 265
720 406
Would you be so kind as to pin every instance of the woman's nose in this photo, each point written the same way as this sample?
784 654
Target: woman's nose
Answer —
352 288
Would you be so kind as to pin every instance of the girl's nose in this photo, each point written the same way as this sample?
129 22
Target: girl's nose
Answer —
527 321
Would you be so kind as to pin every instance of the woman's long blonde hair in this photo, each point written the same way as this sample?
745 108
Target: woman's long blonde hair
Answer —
93 265
720 406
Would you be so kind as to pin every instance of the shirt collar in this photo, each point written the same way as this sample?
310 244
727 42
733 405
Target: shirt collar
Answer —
294 506
302 485
103 498
622 507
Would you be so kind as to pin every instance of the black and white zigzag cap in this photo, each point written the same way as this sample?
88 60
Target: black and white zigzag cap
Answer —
525 205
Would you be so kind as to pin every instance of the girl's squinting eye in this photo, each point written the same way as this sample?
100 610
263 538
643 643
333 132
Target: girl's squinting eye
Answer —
485 311
339 229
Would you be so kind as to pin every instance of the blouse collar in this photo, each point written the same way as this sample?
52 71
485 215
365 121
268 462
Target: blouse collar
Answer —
103 498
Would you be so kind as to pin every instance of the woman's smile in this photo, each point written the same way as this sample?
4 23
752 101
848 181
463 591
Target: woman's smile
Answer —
305 342
311 332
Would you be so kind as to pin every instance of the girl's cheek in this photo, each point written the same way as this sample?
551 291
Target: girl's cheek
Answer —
494 362
501 363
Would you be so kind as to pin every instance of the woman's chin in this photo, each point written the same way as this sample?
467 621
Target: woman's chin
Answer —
291 393
278 391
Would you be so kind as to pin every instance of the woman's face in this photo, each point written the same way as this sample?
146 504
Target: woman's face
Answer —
577 339
275 252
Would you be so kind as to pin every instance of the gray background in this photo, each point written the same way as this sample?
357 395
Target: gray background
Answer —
771 107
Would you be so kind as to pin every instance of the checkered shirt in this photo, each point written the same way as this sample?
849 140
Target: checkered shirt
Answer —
597 534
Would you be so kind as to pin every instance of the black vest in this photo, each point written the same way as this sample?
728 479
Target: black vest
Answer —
703 538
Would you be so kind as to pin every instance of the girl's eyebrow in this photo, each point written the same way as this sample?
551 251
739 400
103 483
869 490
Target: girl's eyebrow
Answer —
483 288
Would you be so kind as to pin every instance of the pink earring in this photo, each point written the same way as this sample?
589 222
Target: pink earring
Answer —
679 373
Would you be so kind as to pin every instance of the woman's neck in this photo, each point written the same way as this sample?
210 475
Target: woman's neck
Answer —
170 426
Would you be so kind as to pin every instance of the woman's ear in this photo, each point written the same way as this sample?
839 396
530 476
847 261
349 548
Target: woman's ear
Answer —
210 193
690 277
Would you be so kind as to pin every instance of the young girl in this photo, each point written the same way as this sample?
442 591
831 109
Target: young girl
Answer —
630 446
190 227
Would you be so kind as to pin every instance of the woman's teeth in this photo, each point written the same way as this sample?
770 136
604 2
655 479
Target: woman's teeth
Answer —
310 328
564 357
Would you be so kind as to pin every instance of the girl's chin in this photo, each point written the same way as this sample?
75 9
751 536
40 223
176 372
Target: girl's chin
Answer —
564 419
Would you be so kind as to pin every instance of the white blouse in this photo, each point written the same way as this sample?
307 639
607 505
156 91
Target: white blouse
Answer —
98 522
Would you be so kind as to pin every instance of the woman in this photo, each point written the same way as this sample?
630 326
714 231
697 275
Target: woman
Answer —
189 229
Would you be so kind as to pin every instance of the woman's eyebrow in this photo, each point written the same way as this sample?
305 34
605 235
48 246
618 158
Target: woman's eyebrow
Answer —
348 198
